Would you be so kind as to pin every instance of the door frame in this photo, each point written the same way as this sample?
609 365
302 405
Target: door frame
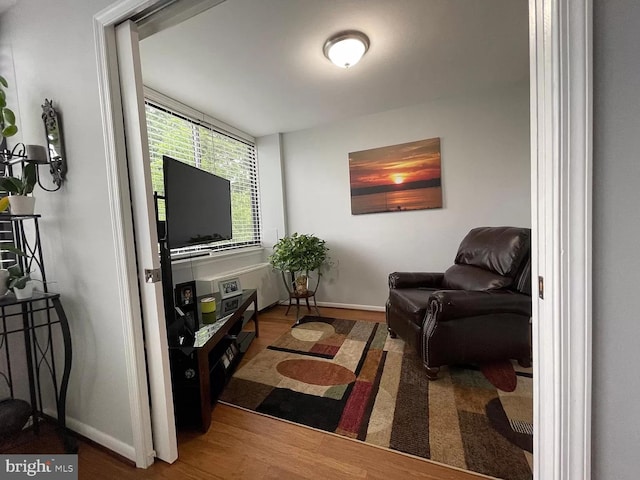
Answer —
561 191
148 373
561 57
122 227
165 442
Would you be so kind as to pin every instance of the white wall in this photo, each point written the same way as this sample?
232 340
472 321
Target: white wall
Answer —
616 224
485 181
273 215
54 58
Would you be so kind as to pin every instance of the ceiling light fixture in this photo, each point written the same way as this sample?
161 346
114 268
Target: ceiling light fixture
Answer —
345 49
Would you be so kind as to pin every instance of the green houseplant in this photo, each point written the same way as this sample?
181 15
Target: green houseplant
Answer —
8 127
20 188
14 278
19 282
298 255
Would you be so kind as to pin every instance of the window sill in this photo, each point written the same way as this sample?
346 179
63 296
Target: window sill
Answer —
215 256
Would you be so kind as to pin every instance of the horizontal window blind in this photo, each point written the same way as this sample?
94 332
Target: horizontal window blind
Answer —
203 146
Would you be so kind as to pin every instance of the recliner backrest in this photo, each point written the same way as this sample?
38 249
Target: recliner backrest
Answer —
497 249
522 281
492 258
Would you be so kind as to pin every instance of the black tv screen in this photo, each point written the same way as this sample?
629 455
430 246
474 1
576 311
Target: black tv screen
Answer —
198 205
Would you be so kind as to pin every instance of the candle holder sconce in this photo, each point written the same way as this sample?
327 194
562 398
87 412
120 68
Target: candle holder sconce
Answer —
56 157
52 155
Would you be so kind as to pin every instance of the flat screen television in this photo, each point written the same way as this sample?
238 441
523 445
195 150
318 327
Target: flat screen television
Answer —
197 203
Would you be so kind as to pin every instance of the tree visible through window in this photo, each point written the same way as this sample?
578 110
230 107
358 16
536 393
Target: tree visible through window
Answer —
214 151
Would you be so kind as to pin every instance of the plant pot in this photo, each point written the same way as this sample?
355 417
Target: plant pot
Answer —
24 293
22 204
4 280
301 284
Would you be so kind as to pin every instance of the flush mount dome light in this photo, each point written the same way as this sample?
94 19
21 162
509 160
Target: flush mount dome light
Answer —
346 48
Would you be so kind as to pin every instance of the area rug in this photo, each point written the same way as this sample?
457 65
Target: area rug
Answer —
350 378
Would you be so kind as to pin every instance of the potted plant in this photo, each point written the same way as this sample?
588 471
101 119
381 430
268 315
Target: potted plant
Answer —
298 255
13 278
8 127
20 283
20 188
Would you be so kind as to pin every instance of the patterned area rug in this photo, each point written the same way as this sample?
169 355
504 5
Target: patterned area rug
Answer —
350 378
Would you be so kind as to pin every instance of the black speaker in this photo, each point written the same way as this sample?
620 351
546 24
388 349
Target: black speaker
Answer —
184 368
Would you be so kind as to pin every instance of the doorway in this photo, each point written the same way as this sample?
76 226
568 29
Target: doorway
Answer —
561 192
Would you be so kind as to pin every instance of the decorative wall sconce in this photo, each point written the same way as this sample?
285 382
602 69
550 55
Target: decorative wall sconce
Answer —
53 155
53 131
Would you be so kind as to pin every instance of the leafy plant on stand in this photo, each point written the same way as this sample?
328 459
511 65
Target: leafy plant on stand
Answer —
21 186
18 186
8 127
16 278
300 254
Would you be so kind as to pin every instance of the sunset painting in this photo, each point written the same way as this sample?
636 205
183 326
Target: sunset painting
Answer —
396 178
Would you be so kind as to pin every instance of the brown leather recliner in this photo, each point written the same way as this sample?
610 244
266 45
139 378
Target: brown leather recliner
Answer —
478 311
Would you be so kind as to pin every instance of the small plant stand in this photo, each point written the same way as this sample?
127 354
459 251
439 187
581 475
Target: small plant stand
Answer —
34 319
297 296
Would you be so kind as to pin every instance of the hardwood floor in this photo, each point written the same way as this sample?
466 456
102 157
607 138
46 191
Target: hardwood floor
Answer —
244 445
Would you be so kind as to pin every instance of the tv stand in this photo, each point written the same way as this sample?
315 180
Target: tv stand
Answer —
199 373
201 367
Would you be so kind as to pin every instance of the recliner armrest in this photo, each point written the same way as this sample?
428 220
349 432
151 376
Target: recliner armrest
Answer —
415 280
452 304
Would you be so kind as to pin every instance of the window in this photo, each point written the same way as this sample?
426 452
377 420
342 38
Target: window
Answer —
213 150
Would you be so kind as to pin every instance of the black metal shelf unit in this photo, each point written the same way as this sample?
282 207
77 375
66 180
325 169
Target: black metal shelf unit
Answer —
35 319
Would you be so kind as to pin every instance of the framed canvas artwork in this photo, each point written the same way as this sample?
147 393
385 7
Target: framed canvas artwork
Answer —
396 178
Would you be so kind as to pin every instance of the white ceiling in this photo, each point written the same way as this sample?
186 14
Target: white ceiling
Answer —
258 64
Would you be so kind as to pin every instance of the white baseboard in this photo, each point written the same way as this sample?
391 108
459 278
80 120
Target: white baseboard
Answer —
349 306
107 441
371 308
